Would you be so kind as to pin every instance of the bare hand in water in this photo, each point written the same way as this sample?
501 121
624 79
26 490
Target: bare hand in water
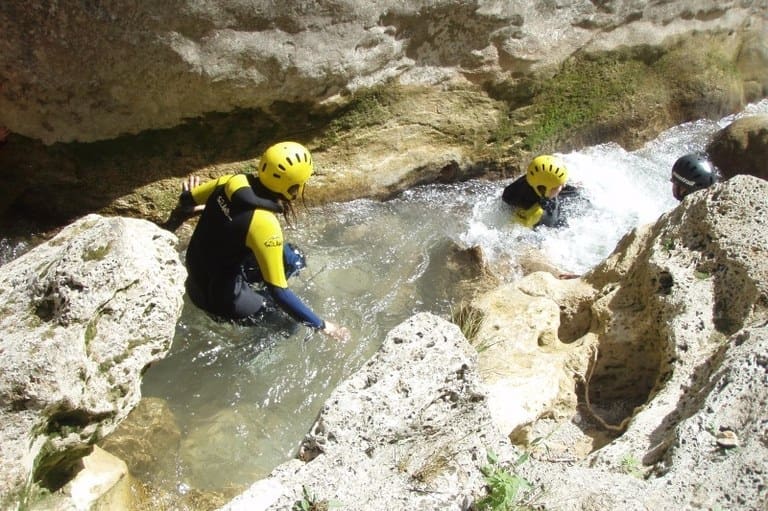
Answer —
339 333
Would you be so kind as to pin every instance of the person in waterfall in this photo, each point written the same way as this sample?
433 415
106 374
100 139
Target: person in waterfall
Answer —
690 173
238 241
537 197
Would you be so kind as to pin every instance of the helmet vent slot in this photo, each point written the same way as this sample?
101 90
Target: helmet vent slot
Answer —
288 159
281 167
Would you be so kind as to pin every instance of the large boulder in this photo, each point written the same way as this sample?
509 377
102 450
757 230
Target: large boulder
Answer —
742 147
93 71
667 375
83 316
410 430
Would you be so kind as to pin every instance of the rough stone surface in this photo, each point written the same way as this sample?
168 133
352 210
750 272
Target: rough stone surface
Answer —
155 64
82 316
701 276
530 376
742 147
410 430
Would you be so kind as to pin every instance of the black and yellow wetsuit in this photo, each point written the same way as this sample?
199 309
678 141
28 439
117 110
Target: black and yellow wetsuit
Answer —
237 226
532 210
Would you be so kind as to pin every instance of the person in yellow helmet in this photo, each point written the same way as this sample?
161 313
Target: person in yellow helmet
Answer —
536 196
238 240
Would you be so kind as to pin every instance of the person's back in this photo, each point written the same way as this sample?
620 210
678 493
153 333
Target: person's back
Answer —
217 247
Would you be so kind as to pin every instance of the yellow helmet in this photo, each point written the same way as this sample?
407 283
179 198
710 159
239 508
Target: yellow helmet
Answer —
285 167
546 171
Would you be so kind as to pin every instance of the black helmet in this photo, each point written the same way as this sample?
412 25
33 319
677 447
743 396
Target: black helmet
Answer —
692 172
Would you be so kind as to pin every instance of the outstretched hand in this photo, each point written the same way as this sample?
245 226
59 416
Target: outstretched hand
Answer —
337 332
186 207
189 184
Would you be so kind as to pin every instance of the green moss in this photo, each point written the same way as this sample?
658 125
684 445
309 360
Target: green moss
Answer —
623 95
366 108
97 253
586 92
698 71
91 330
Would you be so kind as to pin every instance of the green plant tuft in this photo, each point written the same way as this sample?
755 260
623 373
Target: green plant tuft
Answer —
507 490
309 502
631 466
469 320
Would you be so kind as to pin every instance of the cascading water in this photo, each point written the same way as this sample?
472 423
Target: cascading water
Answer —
243 397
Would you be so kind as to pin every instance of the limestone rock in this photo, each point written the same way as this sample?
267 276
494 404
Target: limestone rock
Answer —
678 325
83 315
90 72
523 362
409 430
742 147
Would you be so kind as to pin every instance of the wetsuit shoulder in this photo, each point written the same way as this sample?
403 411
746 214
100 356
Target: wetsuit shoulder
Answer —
242 196
202 192
520 194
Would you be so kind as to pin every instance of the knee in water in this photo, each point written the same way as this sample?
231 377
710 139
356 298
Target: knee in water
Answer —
294 260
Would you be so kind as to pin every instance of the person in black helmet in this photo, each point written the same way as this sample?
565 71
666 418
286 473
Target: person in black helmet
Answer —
690 173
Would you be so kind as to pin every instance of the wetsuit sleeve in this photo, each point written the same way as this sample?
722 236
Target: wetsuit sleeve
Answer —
265 239
292 305
529 217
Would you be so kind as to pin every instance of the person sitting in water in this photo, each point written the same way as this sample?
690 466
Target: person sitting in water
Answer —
690 173
537 196
238 240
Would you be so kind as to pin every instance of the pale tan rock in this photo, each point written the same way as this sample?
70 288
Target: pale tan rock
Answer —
102 484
